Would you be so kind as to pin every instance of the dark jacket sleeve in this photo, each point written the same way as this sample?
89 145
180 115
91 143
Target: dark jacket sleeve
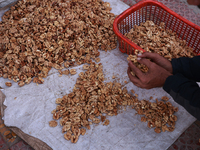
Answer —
182 85
189 67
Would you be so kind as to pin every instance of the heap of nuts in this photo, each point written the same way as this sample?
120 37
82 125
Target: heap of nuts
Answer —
159 115
90 99
156 39
38 35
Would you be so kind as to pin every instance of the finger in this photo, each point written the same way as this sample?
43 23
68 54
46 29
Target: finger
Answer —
128 70
146 62
149 55
137 71
133 79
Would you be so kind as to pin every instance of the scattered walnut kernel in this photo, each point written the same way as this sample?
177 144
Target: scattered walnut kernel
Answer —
72 71
83 131
165 98
151 98
143 119
157 130
21 83
96 120
28 80
65 72
103 118
60 72
9 84
53 111
113 77
86 67
58 100
107 122
88 127
66 64
157 115
97 59
132 91
53 123
74 138
68 135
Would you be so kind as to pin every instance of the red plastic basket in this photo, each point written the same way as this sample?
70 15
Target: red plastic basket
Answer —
156 12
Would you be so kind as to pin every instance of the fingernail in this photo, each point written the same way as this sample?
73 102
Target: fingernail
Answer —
138 58
139 54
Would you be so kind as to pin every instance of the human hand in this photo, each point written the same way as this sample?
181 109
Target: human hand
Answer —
155 77
159 60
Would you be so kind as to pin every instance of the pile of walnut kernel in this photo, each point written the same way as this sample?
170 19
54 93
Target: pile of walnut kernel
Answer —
38 35
156 39
92 99
159 115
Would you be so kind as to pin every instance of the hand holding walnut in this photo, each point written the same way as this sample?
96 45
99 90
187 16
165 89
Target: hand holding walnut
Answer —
154 77
159 60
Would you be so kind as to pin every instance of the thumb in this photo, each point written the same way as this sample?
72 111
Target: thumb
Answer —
144 61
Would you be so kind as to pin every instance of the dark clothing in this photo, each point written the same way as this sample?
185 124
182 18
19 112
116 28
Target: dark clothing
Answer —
182 84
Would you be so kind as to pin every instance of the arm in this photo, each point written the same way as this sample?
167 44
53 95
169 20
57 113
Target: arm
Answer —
185 92
189 67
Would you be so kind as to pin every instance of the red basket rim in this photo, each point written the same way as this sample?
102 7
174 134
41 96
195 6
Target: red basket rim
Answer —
123 14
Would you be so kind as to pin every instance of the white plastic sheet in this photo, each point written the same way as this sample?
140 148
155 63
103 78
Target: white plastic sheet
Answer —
29 108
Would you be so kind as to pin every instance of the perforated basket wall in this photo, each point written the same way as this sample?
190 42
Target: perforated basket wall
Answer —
156 12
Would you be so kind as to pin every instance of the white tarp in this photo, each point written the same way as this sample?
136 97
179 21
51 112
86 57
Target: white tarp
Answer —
29 108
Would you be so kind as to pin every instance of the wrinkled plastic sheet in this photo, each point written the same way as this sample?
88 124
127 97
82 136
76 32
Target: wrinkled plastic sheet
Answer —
29 108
